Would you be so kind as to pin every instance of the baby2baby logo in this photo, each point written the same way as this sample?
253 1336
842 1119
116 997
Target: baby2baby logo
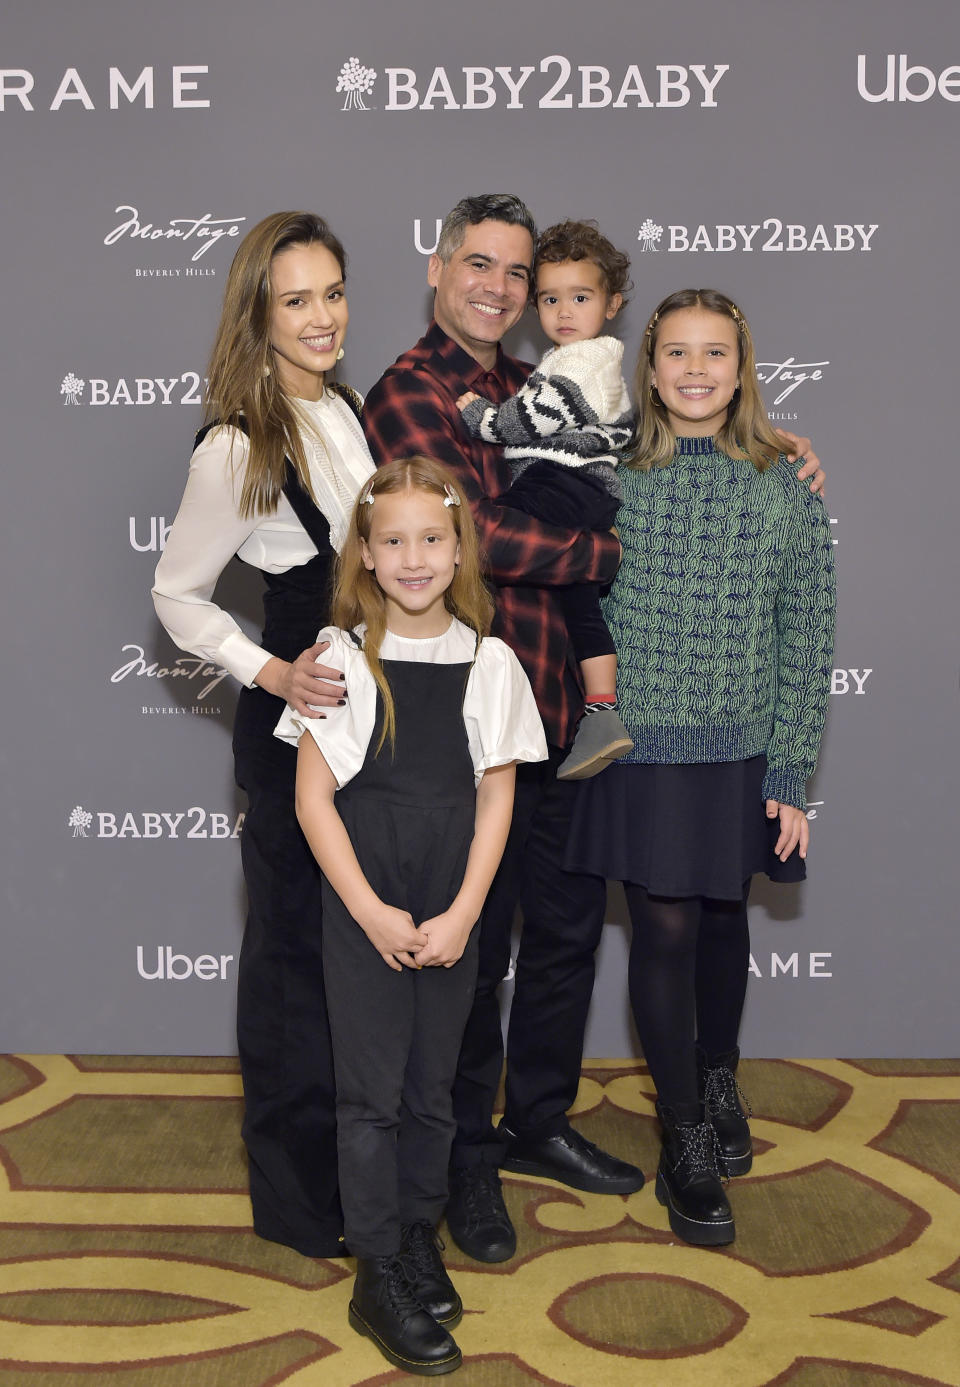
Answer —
184 389
552 84
771 235
183 823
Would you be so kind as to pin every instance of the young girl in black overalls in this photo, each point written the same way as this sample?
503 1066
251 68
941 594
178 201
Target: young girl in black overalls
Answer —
405 797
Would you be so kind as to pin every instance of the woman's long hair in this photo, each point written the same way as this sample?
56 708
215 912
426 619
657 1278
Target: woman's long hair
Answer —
242 380
747 432
358 597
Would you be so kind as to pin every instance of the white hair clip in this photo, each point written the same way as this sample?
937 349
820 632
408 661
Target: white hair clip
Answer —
451 498
366 495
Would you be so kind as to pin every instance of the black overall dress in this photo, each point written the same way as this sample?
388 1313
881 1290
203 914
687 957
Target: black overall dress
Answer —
396 1036
283 1034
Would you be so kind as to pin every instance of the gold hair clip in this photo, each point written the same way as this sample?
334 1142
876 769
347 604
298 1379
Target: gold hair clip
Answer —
451 498
737 317
652 323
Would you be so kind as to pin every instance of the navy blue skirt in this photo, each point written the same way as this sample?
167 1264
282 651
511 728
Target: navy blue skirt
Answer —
691 830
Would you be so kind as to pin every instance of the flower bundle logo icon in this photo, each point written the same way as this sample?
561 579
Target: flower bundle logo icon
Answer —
649 234
357 81
80 820
72 387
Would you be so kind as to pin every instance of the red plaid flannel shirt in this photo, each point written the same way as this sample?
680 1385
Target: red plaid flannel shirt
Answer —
412 409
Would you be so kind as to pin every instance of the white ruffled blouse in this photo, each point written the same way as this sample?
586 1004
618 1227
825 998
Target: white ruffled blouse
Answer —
209 530
499 711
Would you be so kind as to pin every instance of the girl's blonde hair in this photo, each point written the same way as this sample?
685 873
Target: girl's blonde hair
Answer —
242 381
358 597
747 432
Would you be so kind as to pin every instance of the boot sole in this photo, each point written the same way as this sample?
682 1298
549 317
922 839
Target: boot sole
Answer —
584 770
590 1185
422 1367
716 1233
737 1165
449 1321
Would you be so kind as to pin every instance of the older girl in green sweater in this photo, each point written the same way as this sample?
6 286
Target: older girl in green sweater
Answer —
723 616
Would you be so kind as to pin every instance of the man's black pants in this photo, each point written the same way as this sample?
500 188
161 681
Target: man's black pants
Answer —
562 923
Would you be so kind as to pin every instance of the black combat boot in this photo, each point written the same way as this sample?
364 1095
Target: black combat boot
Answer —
727 1108
421 1247
385 1309
688 1182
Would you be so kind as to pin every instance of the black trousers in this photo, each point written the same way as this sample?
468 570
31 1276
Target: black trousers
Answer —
396 1037
562 923
283 1032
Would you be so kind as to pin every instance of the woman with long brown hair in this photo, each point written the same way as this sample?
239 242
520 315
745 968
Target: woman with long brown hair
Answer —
273 480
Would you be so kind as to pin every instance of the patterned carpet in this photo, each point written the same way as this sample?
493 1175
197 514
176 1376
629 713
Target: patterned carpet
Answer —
126 1258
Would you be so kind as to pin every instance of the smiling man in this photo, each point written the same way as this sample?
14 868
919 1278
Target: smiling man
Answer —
481 278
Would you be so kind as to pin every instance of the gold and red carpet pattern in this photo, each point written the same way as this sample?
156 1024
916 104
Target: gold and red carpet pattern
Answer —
126 1257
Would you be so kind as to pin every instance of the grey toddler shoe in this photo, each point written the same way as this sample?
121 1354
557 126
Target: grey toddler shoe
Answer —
601 738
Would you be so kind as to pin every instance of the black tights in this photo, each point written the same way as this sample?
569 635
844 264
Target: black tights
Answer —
689 960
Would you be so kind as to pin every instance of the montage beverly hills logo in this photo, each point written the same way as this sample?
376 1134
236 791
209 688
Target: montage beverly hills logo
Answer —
356 81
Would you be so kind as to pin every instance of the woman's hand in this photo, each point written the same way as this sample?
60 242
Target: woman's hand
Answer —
467 398
445 939
794 829
306 685
801 448
393 934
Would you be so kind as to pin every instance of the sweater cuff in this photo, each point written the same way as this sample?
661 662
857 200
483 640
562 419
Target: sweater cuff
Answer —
473 415
785 786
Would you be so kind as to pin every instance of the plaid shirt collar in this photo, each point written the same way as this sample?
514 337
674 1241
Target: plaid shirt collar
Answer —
453 363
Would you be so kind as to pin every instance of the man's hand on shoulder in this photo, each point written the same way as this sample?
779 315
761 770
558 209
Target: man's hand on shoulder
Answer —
802 449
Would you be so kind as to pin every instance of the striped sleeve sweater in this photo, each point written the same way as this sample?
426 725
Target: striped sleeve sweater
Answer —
723 615
574 410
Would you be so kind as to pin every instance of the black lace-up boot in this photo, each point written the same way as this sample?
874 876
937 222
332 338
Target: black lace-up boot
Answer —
421 1247
386 1310
727 1108
688 1182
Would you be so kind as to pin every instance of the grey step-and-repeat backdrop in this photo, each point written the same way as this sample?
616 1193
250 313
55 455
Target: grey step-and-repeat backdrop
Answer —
800 157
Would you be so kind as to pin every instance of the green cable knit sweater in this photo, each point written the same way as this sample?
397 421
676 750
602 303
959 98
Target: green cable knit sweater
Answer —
723 615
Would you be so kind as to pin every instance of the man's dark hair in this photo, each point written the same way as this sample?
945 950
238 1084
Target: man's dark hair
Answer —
488 207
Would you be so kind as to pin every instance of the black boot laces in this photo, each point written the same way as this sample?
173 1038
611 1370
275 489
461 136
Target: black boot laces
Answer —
722 1093
423 1245
699 1151
397 1287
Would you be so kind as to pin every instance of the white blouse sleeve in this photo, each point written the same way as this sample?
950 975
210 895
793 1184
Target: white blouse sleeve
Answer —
343 734
499 710
207 532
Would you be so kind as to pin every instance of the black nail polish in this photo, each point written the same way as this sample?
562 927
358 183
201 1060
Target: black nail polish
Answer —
341 702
